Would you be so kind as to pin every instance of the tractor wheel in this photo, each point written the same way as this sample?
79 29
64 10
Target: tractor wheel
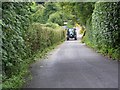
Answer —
67 38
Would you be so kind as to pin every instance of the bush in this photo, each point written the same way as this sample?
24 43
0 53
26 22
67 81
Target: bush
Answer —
105 32
39 36
52 25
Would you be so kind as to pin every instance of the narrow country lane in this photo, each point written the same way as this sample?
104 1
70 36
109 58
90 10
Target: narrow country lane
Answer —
74 65
30 27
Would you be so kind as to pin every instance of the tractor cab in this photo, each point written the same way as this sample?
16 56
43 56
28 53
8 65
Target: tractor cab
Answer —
71 33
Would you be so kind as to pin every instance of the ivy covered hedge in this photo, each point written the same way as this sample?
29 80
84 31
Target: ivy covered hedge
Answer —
15 26
104 32
22 38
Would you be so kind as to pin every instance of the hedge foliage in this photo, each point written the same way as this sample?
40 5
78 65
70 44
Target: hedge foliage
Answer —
41 36
22 37
15 25
104 31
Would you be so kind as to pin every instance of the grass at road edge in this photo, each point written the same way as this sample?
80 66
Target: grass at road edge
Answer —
107 52
16 81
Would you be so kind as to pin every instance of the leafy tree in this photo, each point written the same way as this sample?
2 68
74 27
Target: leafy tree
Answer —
81 11
84 11
37 16
59 17
49 9
56 18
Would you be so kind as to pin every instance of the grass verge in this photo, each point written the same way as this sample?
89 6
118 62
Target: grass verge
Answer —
111 53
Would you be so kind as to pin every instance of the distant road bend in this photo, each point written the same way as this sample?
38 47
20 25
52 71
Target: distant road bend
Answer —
74 65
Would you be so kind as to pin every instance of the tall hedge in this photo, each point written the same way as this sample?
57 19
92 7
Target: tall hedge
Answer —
105 28
22 38
41 37
15 17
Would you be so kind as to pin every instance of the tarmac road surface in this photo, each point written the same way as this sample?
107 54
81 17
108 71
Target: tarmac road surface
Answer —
74 65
